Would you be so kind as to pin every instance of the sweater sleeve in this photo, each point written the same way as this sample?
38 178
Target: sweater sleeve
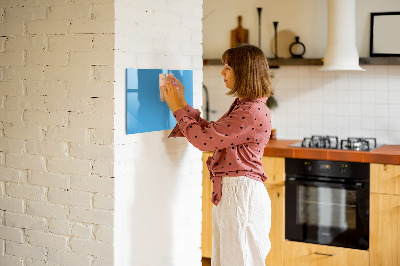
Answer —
193 113
231 130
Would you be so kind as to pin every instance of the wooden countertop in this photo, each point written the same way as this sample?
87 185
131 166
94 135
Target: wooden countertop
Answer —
389 154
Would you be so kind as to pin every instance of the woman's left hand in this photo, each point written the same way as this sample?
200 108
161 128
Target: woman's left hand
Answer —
171 95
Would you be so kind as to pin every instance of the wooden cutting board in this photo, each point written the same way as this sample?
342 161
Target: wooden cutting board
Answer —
239 35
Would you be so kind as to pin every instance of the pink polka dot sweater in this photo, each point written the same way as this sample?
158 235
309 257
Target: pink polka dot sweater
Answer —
238 139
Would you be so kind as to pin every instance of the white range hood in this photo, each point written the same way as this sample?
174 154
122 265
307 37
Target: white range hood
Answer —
341 51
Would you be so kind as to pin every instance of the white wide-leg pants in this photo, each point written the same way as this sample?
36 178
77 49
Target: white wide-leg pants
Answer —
241 223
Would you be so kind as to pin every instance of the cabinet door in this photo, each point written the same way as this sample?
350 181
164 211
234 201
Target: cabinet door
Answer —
277 233
385 178
274 168
384 230
304 254
206 226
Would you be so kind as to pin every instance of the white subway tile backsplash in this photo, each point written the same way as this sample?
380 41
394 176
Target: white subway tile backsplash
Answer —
394 71
394 137
381 110
368 123
394 97
329 109
367 96
381 136
347 103
381 84
394 82
394 123
381 97
394 110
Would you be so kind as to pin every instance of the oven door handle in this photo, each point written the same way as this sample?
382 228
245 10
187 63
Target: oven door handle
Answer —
357 185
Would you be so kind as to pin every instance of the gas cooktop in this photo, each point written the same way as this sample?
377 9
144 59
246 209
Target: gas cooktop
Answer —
332 142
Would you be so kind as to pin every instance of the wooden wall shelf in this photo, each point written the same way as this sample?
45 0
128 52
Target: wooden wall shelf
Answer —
380 61
274 63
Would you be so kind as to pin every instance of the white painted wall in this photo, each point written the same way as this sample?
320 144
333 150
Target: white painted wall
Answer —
56 132
344 103
158 180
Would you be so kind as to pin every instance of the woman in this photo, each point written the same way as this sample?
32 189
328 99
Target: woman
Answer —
242 208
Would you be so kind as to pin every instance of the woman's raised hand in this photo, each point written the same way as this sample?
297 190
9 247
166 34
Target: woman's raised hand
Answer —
171 94
181 91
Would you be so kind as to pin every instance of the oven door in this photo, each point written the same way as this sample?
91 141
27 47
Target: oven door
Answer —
327 213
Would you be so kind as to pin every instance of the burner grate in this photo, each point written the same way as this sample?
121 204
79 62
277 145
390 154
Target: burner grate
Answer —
327 142
358 144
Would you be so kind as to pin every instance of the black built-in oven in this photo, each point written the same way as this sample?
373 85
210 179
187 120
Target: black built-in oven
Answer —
327 202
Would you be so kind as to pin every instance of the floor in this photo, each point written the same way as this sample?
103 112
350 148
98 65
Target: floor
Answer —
206 261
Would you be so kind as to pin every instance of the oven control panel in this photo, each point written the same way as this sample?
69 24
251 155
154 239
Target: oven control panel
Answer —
337 169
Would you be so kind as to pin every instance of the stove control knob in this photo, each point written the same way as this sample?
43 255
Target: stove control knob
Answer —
343 168
308 166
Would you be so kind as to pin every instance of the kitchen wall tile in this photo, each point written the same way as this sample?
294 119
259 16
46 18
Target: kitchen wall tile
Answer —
380 71
367 133
381 136
355 122
394 123
393 71
291 71
328 99
329 93
381 122
329 109
342 96
368 123
316 82
355 96
315 72
394 110
342 133
342 122
342 109
394 82
328 74
381 110
317 108
355 132
367 83
367 110
354 79
367 96
342 80
380 84
329 122
304 72
355 109
381 97
394 97
292 82
394 137
303 82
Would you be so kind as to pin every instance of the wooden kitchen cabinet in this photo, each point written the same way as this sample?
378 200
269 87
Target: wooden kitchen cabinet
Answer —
305 254
274 168
206 225
385 178
384 237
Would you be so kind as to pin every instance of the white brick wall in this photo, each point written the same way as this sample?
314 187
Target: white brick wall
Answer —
56 132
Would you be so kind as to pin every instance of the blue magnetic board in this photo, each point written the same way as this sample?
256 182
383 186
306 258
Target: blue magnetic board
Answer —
144 110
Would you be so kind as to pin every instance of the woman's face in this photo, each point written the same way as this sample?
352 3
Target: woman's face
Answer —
229 76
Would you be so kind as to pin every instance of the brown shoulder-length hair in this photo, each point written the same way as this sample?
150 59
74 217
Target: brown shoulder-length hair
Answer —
250 66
